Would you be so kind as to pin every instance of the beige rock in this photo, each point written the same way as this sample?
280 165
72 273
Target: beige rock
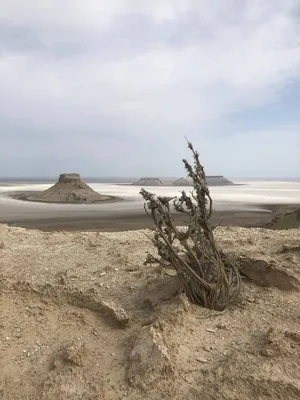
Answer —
149 360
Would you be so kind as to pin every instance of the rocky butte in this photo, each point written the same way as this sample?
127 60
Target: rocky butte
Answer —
148 181
214 180
69 189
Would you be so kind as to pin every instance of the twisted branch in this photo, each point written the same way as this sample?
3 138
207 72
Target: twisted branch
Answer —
207 275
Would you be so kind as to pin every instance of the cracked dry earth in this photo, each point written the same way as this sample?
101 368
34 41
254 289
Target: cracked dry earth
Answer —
82 318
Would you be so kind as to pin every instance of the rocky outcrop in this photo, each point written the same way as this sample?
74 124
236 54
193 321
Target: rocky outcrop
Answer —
70 178
149 360
182 182
217 180
288 220
148 182
69 189
267 274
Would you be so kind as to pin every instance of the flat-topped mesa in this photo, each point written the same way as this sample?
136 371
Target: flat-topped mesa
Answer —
218 180
69 189
213 180
182 182
148 181
68 178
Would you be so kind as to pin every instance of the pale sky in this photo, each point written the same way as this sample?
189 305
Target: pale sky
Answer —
110 88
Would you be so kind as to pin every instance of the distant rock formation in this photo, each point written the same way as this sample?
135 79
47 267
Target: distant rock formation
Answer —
218 180
69 189
182 182
214 180
148 182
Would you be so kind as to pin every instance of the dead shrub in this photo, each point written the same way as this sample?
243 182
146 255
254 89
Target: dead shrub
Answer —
208 277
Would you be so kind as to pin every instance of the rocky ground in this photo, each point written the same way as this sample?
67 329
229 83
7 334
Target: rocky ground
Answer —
83 318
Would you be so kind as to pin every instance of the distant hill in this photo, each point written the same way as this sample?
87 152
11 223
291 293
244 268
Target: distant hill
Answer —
148 182
213 180
218 180
69 189
182 182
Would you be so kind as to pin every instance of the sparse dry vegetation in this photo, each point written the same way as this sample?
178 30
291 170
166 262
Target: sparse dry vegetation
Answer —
208 277
69 338
81 319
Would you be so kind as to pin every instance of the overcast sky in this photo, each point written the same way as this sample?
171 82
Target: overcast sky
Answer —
110 88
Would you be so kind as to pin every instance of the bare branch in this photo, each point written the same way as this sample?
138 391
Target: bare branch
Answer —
207 276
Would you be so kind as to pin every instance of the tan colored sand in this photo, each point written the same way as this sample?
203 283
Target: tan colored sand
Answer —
57 342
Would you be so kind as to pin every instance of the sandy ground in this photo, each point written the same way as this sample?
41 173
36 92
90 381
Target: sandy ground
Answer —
83 318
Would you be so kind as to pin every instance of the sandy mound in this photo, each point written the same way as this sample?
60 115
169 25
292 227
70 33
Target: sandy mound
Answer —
82 318
69 189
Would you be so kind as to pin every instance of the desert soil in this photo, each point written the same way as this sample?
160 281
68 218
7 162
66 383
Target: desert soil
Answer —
83 318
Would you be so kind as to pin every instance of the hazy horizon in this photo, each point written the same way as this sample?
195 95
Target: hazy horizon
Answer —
114 87
129 178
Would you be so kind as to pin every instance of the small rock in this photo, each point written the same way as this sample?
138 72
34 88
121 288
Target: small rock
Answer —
7 338
149 360
251 300
63 280
202 360
222 325
118 314
112 354
102 274
211 330
267 353
74 353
